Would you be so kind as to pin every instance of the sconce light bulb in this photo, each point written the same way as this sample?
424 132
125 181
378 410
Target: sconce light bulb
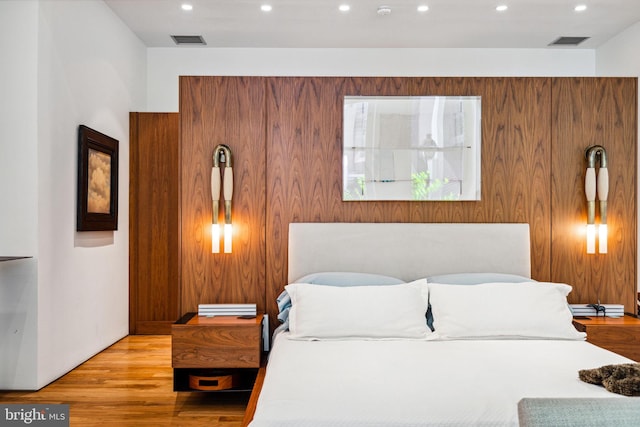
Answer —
591 238
602 238
215 238
228 232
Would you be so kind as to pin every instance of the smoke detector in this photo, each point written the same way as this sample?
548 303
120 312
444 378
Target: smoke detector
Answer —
384 10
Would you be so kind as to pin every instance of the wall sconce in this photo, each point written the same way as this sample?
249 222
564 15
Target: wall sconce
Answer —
221 154
601 187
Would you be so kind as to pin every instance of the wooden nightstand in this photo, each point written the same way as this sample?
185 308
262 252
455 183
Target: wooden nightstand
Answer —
221 353
620 335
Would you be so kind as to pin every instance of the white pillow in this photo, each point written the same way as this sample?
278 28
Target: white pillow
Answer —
356 312
503 310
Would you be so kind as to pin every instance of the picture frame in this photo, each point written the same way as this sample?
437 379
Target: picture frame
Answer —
97 204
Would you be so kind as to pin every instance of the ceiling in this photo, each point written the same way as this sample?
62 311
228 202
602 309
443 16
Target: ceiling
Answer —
319 23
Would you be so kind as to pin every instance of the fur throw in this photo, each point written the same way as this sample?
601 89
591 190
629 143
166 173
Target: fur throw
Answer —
620 379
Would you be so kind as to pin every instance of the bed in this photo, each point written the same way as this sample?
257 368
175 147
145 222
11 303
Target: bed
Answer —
415 325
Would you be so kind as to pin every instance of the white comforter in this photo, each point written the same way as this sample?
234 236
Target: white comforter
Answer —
419 383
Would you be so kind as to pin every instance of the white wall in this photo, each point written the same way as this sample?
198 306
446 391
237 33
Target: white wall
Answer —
90 69
166 64
620 56
18 192
18 133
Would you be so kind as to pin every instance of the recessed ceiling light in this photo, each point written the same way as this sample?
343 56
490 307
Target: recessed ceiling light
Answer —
186 7
502 8
344 8
384 10
423 8
266 8
580 8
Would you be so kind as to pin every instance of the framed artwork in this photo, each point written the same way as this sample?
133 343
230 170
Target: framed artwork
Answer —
97 181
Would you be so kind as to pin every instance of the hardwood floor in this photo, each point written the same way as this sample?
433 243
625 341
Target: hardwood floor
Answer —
131 384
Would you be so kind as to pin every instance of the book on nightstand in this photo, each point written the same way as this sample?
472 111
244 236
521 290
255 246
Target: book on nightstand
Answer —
227 310
610 310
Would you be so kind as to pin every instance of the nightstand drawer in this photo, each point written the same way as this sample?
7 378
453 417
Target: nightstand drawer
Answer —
220 342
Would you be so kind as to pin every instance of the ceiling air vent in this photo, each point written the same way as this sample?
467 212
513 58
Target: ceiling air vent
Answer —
190 40
568 41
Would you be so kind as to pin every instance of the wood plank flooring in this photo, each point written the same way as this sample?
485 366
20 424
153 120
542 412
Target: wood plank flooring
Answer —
131 384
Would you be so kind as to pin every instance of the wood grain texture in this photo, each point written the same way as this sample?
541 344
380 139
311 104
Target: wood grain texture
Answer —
222 110
232 344
255 394
620 335
304 158
293 173
130 384
229 348
515 159
588 111
304 180
153 222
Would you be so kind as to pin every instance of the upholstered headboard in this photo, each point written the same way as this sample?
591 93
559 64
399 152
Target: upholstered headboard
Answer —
408 250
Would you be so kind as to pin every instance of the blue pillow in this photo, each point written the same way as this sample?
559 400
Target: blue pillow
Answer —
477 278
338 278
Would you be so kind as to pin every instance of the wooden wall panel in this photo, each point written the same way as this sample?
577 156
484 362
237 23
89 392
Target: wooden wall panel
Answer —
304 118
515 159
516 165
304 180
153 223
304 146
287 133
588 111
222 110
